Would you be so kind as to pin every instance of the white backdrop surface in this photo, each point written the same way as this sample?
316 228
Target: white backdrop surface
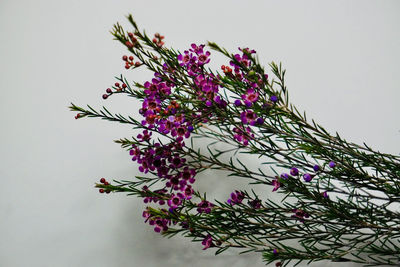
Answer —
342 60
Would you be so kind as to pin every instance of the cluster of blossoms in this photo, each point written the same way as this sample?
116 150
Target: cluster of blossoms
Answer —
165 115
183 96
160 224
207 88
166 162
245 105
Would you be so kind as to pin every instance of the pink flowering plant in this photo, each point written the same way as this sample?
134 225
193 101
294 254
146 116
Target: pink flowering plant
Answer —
339 199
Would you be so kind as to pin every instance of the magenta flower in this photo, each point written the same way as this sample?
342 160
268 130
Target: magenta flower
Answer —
188 174
175 201
294 171
204 207
332 164
145 136
248 117
204 58
185 59
188 192
243 136
300 215
307 177
276 184
207 242
255 204
198 49
273 98
285 176
135 152
236 197
251 96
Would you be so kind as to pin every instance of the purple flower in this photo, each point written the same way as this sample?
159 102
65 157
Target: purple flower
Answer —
188 192
174 201
248 117
285 176
300 215
188 174
274 98
207 242
332 164
307 177
145 136
160 224
151 103
325 194
204 207
243 136
294 171
251 96
180 131
186 58
316 168
237 102
203 58
236 197
255 204
276 184
135 152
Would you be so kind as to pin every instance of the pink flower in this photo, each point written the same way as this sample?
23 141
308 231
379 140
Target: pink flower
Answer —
250 97
276 184
207 242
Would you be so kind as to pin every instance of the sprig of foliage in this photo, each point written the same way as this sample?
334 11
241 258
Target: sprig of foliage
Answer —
339 199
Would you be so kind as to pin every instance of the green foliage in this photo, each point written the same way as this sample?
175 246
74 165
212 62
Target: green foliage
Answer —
347 226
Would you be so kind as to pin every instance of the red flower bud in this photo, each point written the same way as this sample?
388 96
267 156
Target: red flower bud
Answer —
129 44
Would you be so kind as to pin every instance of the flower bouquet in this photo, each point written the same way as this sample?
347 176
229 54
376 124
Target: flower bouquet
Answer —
333 199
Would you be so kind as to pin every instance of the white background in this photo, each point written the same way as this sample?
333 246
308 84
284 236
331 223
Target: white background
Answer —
342 59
